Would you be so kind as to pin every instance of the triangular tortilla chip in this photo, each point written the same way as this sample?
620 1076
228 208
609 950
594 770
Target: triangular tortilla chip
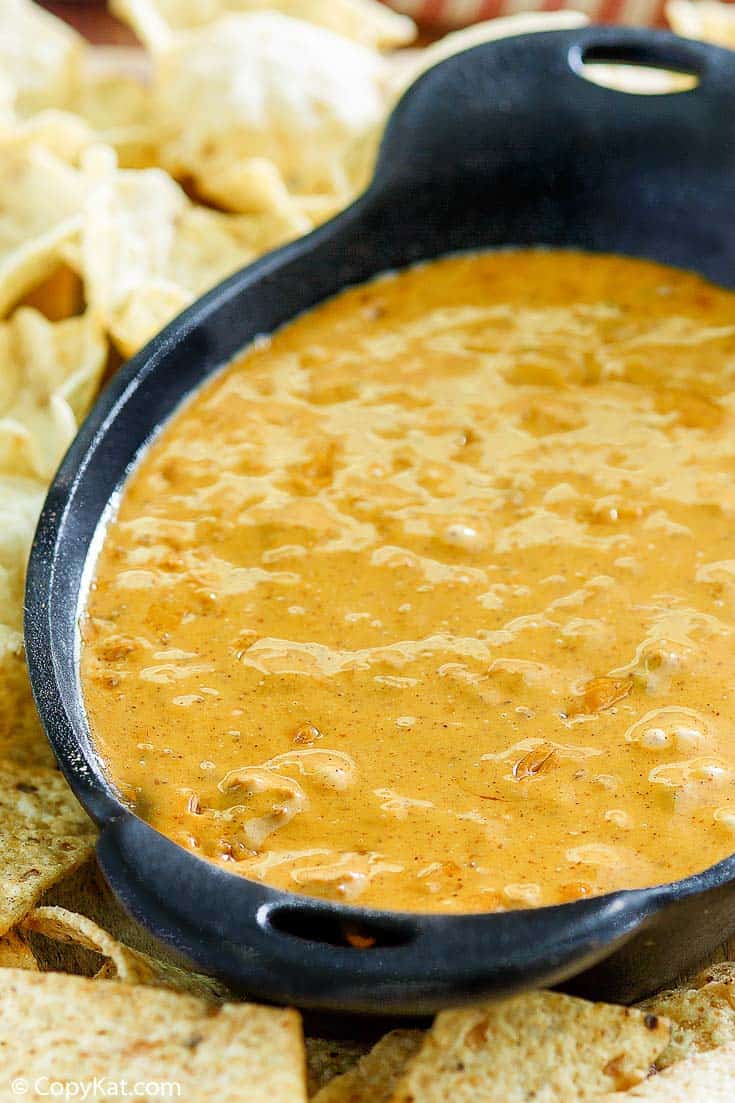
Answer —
542 1046
75 1029
702 1013
44 834
704 1078
374 1077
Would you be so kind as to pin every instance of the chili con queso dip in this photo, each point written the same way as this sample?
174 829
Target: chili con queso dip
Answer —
427 602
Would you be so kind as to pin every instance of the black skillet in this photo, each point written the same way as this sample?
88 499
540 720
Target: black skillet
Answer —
505 144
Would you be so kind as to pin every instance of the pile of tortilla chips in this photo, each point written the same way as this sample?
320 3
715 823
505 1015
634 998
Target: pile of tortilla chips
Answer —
131 182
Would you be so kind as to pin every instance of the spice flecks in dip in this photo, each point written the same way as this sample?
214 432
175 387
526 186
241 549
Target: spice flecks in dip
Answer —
428 602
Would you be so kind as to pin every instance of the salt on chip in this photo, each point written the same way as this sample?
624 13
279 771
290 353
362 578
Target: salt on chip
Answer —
39 57
44 834
265 86
707 20
704 1078
702 1014
365 21
375 1075
543 1046
72 1028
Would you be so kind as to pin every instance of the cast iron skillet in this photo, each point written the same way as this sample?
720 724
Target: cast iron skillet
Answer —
503 145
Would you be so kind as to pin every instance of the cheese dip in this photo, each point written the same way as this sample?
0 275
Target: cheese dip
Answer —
427 602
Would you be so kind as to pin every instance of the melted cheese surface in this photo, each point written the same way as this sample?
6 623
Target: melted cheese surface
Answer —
427 602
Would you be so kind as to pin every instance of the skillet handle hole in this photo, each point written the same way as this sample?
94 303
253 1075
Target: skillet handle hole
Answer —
627 69
313 925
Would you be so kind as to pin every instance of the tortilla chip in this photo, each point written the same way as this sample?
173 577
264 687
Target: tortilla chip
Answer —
702 1014
41 197
722 971
85 892
327 1058
15 953
707 20
22 739
147 251
73 1029
123 964
39 57
20 503
21 736
43 835
269 87
52 371
113 99
375 1076
705 1078
542 1046
364 21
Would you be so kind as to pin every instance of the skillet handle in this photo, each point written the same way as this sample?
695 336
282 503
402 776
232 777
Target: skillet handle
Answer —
494 103
277 946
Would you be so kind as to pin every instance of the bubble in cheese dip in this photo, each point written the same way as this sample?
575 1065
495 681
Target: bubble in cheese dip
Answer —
427 602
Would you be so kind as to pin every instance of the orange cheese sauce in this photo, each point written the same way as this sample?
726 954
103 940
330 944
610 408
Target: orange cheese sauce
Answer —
427 602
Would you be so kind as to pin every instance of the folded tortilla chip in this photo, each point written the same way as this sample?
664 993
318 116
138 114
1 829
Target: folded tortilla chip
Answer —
265 86
365 21
541 1046
704 1078
375 1076
44 834
74 1029
120 962
39 57
706 20
702 1013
